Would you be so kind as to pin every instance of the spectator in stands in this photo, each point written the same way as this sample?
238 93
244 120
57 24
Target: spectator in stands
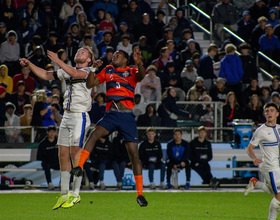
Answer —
178 152
149 119
9 14
70 48
125 44
106 5
253 88
5 78
73 18
273 17
254 110
131 16
3 117
102 157
150 85
205 66
12 135
88 41
243 5
168 35
67 9
265 97
275 98
19 98
10 53
74 33
231 110
31 14
123 29
231 70
188 52
106 59
145 28
200 155
258 9
91 31
169 110
100 16
257 32
275 87
48 25
188 76
195 59
25 33
170 76
186 35
269 43
98 107
26 78
107 41
108 24
245 26
56 113
183 23
161 61
224 14
174 55
52 44
140 106
25 120
248 64
219 91
48 154
205 112
197 90
159 24
3 32
83 23
150 154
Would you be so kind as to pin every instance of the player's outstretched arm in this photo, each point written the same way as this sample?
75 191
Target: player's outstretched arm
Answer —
92 80
41 73
138 61
251 154
68 69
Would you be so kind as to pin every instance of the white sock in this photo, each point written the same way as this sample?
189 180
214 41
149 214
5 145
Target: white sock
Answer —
65 179
264 187
273 209
77 180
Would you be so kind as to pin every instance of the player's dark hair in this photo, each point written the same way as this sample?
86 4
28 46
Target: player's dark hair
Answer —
125 54
271 104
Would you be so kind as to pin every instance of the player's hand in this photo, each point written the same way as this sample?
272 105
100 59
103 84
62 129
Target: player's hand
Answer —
53 56
257 161
137 57
97 63
24 61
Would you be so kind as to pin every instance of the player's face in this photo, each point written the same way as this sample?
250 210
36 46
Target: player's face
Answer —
151 136
271 114
81 56
118 59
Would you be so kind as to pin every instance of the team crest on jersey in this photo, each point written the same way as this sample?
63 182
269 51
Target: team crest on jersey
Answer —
126 74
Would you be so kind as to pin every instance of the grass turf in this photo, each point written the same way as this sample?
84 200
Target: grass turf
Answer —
114 206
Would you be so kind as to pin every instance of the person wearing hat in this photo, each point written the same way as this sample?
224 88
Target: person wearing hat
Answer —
3 32
245 26
188 52
188 75
275 98
123 29
275 84
170 76
131 16
6 79
13 135
19 98
200 155
205 66
219 91
197 90
10 53
258 10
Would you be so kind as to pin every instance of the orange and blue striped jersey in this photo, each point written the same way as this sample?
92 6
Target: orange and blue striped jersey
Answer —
120 85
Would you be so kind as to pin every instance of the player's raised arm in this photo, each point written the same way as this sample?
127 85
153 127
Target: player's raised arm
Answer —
92 80
251 154
41 73
138 61
75 73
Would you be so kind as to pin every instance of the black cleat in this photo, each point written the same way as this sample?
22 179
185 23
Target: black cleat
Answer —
77 171
141 201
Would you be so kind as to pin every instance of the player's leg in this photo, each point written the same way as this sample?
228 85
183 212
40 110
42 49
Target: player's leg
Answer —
274 207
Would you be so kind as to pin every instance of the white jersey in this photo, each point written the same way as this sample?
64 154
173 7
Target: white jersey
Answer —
77 97
268 139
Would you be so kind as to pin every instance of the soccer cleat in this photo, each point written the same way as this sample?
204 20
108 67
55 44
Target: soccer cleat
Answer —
77 171
71 201
141 201
61 200
169 185
250 186
187 186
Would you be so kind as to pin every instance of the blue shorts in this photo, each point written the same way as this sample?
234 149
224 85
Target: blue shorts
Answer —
122 122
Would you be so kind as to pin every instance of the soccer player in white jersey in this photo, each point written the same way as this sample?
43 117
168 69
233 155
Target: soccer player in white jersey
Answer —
75 122
267 137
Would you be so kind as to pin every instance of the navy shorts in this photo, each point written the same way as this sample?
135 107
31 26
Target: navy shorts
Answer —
123 122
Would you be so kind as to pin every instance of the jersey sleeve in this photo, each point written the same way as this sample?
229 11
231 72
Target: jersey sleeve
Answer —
61 74
101 76
256 138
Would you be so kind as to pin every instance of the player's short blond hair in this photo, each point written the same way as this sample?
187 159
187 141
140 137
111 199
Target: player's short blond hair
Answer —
90 52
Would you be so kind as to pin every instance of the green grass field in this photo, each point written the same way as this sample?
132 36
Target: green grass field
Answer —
122 205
